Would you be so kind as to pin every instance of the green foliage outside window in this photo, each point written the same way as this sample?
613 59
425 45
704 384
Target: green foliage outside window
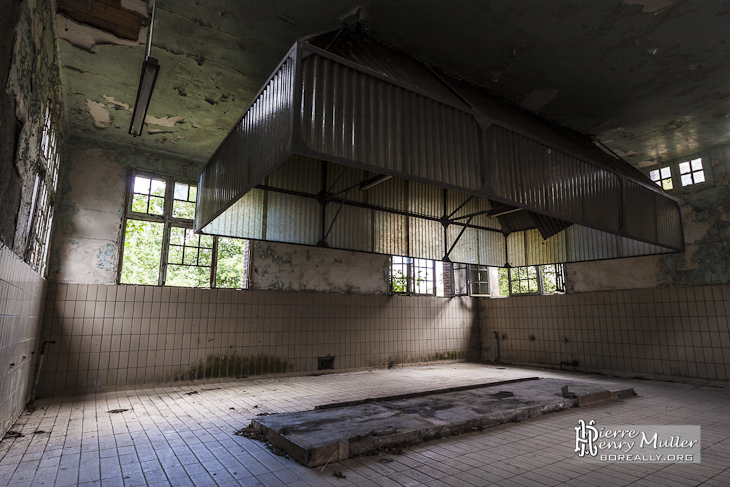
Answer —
399 282
503 281
551 277
142 249
157 203
231 269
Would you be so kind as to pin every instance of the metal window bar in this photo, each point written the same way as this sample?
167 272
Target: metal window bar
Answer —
460 279
553 278
525 280
478 278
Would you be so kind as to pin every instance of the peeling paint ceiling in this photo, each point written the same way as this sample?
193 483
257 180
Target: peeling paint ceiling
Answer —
649 78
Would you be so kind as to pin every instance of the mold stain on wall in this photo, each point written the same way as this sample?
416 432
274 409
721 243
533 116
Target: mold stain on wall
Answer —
29 65
235 366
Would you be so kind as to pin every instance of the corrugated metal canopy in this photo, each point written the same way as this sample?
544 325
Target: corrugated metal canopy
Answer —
354 145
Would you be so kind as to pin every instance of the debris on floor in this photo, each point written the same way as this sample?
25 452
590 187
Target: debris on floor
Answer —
255 435
117 411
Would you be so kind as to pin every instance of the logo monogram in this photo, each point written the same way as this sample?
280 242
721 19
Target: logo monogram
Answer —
585 437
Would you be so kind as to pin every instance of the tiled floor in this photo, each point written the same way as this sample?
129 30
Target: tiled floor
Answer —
184 436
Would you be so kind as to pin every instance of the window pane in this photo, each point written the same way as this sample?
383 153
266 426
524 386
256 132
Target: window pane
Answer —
686 179
157 206
183 209
666 172
399 274
141 185
699 177
696 164
139 203
193 194
157 188
177 235
142 249
667 184
206 257
206 241
191 238
186 276
175 254
683 167
503 281
181 191
190 255
654 175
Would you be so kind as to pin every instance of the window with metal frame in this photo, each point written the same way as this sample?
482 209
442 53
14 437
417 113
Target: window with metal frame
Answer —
471 280
691 172
532 280
160 247
40 217
460 279
553 279
683 175
525 280
478 280
413 276
663 177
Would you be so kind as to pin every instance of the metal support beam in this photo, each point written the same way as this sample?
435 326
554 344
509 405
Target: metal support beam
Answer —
458 237
498 212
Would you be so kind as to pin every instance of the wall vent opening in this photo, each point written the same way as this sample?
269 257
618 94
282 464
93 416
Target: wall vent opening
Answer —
326 363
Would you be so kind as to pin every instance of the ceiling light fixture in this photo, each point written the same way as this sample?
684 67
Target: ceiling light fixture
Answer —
147 79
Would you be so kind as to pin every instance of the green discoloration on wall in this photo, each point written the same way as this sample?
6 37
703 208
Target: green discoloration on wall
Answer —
449 355
66 207
706 221
233 365
33 82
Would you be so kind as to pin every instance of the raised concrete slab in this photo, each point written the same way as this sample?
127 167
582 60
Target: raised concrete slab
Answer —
330 434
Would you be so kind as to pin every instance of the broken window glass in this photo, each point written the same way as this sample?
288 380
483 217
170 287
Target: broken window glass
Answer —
663 177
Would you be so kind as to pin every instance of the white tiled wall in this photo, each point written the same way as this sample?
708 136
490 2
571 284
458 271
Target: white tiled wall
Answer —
114 337
679 333
22 292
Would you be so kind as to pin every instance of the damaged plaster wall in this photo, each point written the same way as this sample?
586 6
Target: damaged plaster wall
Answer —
90 213
33 86
30 79
706 220
89 226
608 275
278 266
10 185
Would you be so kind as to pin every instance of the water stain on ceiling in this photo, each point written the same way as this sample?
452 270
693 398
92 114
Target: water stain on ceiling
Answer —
649 78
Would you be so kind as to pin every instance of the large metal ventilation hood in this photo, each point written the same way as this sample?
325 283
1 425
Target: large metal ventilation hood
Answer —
354 145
